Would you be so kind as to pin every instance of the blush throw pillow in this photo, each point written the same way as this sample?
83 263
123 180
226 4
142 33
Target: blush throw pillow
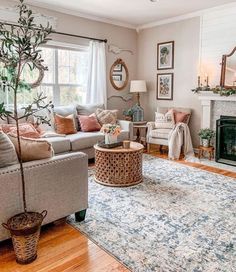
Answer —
32 149
89 123
164 120
181 117
8 154
25 129
65 124
106 116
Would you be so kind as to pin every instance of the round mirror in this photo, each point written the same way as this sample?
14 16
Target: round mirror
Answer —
119 75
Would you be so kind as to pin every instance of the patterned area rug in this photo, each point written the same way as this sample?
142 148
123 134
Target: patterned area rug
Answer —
178 219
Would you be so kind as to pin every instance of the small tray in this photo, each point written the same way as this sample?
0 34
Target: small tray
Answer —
103 145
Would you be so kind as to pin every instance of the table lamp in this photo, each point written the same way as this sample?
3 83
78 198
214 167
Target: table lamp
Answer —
138 86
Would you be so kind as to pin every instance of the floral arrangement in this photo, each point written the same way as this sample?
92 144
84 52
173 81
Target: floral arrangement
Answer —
111 129
217 90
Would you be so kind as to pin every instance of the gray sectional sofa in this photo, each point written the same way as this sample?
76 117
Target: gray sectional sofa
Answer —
60 184
83 141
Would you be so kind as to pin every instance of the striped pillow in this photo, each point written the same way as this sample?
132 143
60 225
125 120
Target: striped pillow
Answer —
7 151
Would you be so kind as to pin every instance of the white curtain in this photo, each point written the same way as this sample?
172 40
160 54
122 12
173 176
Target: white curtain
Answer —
96 87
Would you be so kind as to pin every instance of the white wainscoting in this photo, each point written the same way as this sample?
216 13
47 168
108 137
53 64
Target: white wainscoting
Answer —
218 37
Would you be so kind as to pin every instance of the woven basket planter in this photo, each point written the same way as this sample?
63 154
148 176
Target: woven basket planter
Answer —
25 232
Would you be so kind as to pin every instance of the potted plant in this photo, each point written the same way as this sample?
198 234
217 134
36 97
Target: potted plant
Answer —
111 131
206 136
20 51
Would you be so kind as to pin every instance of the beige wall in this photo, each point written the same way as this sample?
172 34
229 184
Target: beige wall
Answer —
119 36
186 35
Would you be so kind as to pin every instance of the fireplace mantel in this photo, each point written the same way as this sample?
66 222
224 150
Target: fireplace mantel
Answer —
206 99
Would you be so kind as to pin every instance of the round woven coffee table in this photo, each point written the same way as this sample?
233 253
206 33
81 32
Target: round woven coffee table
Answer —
118 166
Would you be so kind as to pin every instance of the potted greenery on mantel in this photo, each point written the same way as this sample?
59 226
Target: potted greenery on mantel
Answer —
20 49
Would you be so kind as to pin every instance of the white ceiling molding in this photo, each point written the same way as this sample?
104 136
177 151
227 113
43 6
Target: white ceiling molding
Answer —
83 15
11 15
183 17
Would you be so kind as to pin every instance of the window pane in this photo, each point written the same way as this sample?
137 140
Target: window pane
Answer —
48 55
47 91
72 67
70 95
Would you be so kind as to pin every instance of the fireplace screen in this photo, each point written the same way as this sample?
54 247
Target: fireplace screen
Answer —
226 140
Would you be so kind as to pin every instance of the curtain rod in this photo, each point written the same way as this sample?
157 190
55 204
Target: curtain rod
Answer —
62 33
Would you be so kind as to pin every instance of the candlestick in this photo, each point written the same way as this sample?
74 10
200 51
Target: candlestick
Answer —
199 81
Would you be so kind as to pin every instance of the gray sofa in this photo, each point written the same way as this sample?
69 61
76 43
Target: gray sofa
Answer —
82 141
58 185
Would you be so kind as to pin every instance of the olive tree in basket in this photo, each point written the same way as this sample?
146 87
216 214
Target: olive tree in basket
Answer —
19 52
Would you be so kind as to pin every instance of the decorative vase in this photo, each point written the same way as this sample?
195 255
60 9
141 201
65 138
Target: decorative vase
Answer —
205 142
110 139
25 232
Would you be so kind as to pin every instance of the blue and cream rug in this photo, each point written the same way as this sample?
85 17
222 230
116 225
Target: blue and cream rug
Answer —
179 219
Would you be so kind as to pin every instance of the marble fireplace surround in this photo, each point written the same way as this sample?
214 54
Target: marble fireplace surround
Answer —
214 105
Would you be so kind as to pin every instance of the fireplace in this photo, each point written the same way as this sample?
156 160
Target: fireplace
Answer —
226 140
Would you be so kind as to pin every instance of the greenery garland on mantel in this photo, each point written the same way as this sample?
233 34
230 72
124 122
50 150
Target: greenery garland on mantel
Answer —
216 90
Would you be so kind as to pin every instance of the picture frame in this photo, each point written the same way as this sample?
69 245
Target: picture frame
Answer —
118 68
165 55
165 86
117 77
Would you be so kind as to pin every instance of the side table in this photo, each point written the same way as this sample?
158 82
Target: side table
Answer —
139 126
209 150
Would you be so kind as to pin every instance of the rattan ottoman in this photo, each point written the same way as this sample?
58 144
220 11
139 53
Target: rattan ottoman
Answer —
118 166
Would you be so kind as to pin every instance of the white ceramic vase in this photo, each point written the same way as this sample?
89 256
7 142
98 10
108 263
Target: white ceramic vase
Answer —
110 139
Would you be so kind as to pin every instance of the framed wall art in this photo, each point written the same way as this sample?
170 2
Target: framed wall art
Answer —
165 55
165 86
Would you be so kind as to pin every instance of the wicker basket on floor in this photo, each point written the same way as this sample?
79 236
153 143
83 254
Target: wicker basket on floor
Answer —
25 232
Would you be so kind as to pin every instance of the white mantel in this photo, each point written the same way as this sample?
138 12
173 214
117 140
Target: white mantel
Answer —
206 99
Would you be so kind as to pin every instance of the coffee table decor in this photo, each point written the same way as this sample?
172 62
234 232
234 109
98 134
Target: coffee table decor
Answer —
119 166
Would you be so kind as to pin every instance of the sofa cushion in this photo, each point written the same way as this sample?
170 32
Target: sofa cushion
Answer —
8 154
165 121
3 121
88 109
65 111
161 133
65 124
82 140
59 144
32 149
25 129
21 112
89 123
106 116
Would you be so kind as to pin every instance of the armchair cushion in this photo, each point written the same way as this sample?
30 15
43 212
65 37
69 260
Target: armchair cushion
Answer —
161 133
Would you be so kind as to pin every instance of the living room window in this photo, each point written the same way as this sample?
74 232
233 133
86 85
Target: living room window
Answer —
64 83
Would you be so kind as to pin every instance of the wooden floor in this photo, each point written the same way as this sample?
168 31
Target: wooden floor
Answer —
62 248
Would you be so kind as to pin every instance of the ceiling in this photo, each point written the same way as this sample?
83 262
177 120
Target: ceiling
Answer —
132 13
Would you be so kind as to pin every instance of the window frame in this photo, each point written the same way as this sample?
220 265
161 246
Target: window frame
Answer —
56 85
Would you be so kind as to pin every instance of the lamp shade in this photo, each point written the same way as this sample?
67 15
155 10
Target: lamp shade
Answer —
138 86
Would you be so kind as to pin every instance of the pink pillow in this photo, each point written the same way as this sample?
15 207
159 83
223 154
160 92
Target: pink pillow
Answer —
26 130
181 117
89 123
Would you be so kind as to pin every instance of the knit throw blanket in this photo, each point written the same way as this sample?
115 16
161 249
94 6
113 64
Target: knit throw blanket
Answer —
178 137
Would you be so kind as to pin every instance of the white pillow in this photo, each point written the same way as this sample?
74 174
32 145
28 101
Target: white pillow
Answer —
8 154
164 120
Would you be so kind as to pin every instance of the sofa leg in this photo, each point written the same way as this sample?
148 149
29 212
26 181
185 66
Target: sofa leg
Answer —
80 216
161 150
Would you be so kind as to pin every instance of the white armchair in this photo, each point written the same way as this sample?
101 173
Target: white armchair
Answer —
159 136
